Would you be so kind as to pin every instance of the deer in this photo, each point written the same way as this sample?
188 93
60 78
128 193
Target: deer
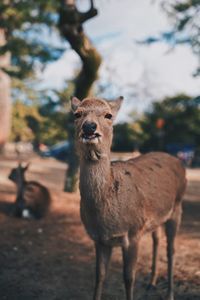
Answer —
33 199
123 200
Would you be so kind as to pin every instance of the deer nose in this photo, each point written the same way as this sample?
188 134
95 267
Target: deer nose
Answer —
89 127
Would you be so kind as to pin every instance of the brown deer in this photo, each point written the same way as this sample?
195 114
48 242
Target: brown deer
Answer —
122 200
33 199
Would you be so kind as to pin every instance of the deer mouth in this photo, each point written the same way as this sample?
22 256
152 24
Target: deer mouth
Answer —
93 138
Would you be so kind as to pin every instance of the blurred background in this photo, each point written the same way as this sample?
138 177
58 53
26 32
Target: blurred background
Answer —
145 50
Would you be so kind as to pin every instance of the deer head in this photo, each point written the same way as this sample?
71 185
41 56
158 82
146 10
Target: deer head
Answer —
17 174
94 125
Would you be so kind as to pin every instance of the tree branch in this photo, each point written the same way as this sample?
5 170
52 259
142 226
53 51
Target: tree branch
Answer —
91 4
71 28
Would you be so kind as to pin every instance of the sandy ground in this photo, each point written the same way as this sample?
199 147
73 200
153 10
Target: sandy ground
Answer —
53 259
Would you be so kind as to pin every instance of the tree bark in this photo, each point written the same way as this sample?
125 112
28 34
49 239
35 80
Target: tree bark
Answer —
5 99
71 27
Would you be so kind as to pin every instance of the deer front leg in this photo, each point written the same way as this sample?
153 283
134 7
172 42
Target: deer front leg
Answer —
130 253
103 254
18 207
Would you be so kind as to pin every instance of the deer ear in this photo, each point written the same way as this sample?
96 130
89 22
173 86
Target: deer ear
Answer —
115 105
75 102
26 167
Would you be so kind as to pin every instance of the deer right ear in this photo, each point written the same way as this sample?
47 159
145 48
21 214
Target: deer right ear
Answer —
27 166
75 102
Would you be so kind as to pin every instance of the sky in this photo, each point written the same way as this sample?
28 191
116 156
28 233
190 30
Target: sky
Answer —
141 73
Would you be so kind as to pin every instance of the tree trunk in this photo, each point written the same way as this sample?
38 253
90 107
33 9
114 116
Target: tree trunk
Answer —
5 100
71 27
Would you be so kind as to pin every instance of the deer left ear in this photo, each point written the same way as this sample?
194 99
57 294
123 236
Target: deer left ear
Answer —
75 102
115 105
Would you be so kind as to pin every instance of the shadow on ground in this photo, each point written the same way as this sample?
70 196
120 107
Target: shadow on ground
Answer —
53 259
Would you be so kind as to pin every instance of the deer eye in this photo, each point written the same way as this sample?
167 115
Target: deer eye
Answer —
77 115
108 116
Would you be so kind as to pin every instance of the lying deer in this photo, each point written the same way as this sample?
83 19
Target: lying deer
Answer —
122 200
33 199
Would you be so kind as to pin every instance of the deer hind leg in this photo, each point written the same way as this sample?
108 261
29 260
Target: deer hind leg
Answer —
130 253
154 268
171 227
103 254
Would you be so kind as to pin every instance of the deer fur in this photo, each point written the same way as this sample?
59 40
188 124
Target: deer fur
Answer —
123 200
33 199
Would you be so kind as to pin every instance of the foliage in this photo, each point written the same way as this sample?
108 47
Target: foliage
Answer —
174 120
57 125
126 137
186 15
29 27
181 123
54 128
41 121
25 24
21 114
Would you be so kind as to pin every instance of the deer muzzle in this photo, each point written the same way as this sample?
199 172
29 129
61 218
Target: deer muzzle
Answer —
89 134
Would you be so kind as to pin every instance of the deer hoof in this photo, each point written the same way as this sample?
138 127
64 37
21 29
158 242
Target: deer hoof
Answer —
170 297
151 287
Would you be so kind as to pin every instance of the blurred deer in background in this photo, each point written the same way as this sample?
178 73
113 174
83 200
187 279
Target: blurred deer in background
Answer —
33 199
123 200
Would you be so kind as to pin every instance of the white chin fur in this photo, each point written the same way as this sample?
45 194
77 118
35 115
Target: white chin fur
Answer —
26 214
90 141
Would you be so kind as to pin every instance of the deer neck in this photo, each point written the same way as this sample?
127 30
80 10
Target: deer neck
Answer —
20 186
95 177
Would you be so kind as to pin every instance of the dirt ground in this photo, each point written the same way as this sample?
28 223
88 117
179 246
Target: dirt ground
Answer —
53 259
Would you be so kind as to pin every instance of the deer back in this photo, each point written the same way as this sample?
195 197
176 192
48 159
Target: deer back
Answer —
36 198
